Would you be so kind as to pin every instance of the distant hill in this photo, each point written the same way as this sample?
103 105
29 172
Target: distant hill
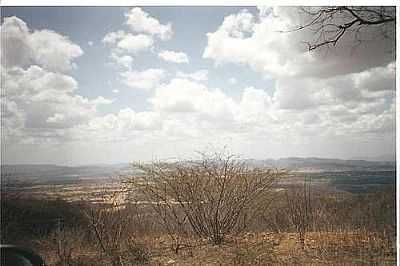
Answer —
49 172
382 158
321 164
56 173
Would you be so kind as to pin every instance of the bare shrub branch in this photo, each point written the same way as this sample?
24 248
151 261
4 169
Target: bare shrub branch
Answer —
207 196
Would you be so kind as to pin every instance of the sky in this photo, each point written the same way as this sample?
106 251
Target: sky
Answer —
90 85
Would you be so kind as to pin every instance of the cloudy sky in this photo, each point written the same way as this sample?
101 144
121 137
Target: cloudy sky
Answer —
105 85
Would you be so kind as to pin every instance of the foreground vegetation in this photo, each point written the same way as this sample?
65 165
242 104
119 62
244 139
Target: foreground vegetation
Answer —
215 211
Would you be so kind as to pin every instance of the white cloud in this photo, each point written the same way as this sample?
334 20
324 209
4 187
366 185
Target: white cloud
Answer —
174 57
238 25
351 90
146 79
127 42
125 61
343 91
41 102
114 36
255 103
101 100
135 43
200 75
189 109
377 79
126 120
15 47
299 94
46 48
186 96
317 104
261 44
125 125
140 21
183 109
232 81
125 46
46 101
56 118
90 43
13 119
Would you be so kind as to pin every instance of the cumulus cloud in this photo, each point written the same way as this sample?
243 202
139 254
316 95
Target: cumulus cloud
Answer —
135 43
174 57
339 91
377 79
260 43
47 100
124 46
183 109
140 21
141 35
13 119
351 90
127 42
48 49
316 100
299 95
186 96
146 79
232 80
40 100
56 118
125 61
296 108
238 25
126 120
255 102
199 75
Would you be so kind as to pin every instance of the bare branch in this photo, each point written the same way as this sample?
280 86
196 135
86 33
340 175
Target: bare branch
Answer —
330 24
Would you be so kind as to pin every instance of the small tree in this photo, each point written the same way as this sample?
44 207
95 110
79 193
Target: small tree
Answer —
207 196
299 209
109 223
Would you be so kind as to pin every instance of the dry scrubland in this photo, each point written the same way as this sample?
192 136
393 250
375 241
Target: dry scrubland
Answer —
216 211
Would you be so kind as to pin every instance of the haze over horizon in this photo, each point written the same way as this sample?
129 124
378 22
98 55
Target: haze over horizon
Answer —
384 158
92 85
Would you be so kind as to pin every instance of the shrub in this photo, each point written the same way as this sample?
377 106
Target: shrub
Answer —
207 196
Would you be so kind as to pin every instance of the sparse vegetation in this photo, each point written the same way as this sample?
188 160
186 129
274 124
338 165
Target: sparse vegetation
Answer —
299 209
208 196
215 211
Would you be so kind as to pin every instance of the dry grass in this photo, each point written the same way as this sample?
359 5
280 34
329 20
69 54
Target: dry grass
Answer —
339 229
321 248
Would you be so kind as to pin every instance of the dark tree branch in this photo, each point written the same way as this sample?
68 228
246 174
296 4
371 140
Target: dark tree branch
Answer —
330 24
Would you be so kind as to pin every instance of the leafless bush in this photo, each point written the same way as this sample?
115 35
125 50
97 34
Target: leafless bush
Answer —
136 252
300 209
109 223
207 196
276 218
64 248
67 242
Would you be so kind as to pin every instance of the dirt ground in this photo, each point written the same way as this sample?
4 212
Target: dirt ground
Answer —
320 248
